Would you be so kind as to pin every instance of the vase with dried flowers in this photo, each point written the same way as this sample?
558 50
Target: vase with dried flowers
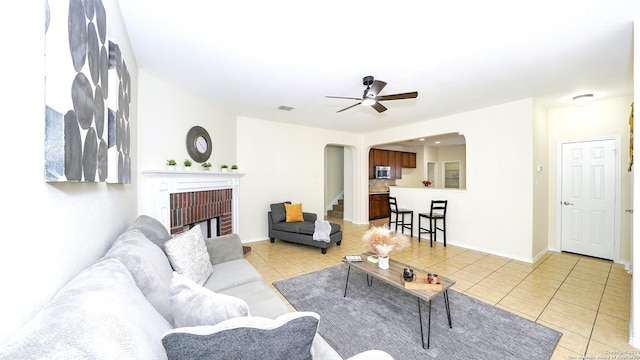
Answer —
383 241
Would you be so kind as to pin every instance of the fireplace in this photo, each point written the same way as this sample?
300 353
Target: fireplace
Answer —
180 199
205 207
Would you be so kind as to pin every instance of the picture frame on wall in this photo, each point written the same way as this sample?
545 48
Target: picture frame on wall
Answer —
87 96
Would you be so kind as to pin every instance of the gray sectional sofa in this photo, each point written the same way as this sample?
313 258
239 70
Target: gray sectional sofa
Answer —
134 304
300 232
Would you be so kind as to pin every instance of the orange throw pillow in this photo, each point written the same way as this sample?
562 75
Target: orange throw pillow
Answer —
294 212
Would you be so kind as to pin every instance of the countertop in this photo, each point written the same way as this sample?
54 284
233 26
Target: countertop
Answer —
378 193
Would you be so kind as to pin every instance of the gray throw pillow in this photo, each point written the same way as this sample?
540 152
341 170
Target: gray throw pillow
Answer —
194 305
278 212
290 337
188 255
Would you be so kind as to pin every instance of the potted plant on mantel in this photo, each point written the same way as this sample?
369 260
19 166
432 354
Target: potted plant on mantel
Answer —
224 168
234 168
206 166
187 165
171 164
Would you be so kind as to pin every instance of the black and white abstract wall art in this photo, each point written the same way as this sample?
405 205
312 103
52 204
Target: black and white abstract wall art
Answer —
78 64
118 112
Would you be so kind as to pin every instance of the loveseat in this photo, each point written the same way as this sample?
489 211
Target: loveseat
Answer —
150 297
300 230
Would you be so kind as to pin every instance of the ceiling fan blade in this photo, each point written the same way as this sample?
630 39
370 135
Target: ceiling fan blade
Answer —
349 107
375 89
409 95
343 97
379 107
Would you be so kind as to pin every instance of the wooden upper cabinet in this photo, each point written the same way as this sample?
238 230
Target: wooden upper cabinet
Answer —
371 165
396 159
409 160
397 168
381 157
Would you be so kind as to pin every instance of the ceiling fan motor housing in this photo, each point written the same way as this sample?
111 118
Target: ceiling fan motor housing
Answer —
367 80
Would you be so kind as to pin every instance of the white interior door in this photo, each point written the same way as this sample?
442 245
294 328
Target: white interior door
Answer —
588 198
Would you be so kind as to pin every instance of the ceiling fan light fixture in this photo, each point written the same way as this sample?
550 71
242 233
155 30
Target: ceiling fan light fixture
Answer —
583 99
368 101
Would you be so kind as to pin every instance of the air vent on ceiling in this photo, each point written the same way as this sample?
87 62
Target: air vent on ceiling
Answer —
285 108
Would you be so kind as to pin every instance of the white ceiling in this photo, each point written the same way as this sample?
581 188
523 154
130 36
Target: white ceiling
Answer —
249 57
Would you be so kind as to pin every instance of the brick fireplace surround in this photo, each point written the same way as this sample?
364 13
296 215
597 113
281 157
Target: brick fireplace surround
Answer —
197 206
179 198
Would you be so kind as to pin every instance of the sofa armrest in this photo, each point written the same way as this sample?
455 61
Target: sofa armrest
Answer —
309 217
224 248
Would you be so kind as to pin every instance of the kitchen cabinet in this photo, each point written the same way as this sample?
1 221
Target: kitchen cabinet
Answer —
371 165
409 160
378 206
396 159
396 169
380 157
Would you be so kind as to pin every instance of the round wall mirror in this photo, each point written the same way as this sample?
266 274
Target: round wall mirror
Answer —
199 144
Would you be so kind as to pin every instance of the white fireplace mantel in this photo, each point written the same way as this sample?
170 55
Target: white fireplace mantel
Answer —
157 185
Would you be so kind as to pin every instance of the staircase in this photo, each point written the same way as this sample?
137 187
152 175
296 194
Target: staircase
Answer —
337 211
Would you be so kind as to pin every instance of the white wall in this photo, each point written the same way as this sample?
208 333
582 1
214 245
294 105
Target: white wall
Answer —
495 212
634 326
285 162
604 118
333 173
50 231
540 163
167 113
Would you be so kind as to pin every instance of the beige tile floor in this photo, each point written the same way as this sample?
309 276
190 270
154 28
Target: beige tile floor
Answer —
586 299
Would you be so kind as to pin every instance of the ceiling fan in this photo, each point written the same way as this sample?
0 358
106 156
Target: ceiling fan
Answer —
370 96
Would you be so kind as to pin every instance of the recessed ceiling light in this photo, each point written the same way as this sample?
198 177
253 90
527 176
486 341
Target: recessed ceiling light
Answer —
421 139
437 142
583 99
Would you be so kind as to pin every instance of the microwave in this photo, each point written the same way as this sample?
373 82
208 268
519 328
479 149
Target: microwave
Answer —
382 172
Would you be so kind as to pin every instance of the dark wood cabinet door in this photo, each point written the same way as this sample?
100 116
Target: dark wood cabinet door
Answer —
372 165
378 206
409 160
397 170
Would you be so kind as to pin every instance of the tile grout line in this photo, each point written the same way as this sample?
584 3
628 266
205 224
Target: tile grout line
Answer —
597 311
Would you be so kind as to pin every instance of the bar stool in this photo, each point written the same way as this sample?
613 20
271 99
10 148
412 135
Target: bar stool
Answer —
438 212
400 214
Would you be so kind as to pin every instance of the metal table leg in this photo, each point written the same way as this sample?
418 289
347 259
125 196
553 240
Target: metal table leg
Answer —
446 303
346 282
420 317
428 324
429 328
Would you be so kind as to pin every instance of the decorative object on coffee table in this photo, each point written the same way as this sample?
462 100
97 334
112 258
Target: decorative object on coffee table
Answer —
383 241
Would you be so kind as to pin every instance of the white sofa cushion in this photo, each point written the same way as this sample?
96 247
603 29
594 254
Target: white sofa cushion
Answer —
188 255
149 266
290 337
232 273
99 314
194 305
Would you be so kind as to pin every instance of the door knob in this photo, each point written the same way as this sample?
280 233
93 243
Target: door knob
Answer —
567 203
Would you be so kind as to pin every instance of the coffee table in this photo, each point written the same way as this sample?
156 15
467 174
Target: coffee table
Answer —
393 277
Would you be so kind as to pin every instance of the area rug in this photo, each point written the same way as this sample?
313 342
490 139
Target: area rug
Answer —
386 318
